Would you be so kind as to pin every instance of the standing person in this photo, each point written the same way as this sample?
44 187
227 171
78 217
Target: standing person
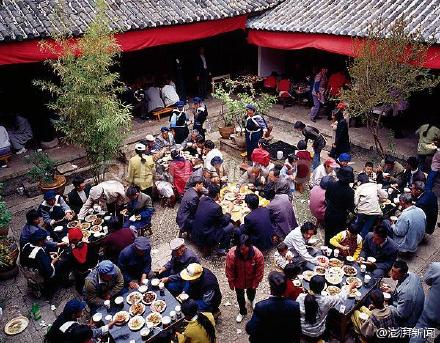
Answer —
141 170
427 201
244 271
202 73
78 195
428 134
281 214
317 204
179 122
255 127
342 139
200 327
339 198
276 319
20 132
318 92
318 140
188 206
303 165
200 114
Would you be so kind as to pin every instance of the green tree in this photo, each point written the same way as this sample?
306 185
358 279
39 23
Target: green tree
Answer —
85 91
388 68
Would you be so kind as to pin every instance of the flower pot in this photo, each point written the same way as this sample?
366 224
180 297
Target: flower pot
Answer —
4 231
240 141
57 185
226 131
9 255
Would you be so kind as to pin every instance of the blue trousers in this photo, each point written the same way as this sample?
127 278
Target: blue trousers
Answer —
252 139
366 223
315 109
432 176
316 158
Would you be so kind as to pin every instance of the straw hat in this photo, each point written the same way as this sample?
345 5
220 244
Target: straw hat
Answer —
192 272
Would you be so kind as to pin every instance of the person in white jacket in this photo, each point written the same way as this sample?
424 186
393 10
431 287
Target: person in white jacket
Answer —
367 198
296 242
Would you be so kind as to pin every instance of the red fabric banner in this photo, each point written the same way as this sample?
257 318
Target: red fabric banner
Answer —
342 45
29 51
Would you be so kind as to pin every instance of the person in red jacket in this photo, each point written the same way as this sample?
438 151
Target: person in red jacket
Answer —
292 290
180 170
244 270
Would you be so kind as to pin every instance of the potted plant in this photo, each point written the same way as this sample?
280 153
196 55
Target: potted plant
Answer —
5 217
8 258
45 173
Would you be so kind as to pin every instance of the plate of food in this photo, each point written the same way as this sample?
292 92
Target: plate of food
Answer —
312 240
98 221
121 317
322 261
333 290
334 262
72 224
149 297
158 306
134 298
319 270
307 275
136 323
124 212
16 325
354 292
334 279
85 226
137 309
229 196
349 271
154 318
86 233
236 209
96 228
354 279
182 297
91 217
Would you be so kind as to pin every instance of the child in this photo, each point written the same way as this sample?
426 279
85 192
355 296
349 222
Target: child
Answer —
289 171
292 289
303 165
282 256
368 169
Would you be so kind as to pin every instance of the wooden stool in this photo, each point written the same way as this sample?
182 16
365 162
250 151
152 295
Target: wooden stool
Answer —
5 158
158 113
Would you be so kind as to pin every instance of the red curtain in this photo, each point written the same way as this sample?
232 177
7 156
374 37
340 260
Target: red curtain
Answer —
29 51
336 44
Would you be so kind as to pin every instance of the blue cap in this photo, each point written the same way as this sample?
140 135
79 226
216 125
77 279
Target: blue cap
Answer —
74 306
251 107
216 160
180 103
49 195
344 157
142 243
38 235
106 267
197 100
164 129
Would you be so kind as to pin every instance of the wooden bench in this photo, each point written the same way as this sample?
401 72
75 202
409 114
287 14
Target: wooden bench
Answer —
219 79
165 110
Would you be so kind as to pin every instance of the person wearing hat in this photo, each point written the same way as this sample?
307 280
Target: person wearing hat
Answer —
148 141
343 159
339 198
390 172
54 210
66 327
35 258
180 171
200 327
190 143
109 195
104 282
325 169
202 286
200 114
164 140
188 206
181 257
135 262
255 127
141 170
217 163
318 141
200 173
78 195
179 122
342 139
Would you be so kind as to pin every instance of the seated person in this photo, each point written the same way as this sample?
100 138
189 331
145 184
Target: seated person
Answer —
369 170
210 151
135 262
253 175
169 94
20 132
296 242
409 229
317 203
117 239
153 99
54 211
109 195
270 82
190 142
200 327
278 183
202 173
219 168
66 327
304 164
325 169
180 171
390 172
202 286
427 201
412 173
5 145
260 155
104 282
408 298
282 256
343 159
164 140
35 259
139 204
211 227
257 224
79 194
288 171
188 206
281 214
291 272
377 244
164 187
33 222
181 257
349 242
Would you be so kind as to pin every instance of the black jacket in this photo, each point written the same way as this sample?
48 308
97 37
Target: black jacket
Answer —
207 289
258 226
428 203
75 202
342 140
339 198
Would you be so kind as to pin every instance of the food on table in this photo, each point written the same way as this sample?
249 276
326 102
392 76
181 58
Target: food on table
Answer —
96 228
322 261
245 212
149 297
155 282
121 317
85 226
353 293
307 275
333 290
137 309
16 325
334 262
236 209
349 271
124 212
238 202
312 240
334 275
158 306
154 318
230 196
91 217
182 297
319 270
354 279
86 234
134 297
98 221
136 323
72 224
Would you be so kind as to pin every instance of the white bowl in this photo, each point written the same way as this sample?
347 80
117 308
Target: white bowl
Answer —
58 229
371 259
143 288
155 282
386 296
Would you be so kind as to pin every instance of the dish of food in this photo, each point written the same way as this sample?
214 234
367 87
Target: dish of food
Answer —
322 261
98 221
137 309
96 228
334 262
307 275
124 212
182 297
136 323
158 306
121 317
236 209
312 240
85 226
229 196
134 298
319 270
155 282
349 271
334 279
16 325
354 292
86 233
72 224
154 318
149 297
91 217
333 290
354 279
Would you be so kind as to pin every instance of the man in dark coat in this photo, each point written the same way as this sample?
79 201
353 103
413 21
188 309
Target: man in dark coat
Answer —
412 173
200 115
188 206
79 194
318 140
211 227
339 197
276 319
342 139
427 201
257 224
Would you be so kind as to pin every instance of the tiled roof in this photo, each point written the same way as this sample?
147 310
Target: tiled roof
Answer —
349 17
27 19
